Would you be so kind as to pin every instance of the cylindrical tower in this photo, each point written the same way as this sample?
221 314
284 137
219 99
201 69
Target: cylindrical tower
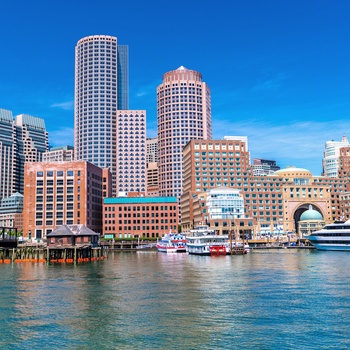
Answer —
98 72
184 113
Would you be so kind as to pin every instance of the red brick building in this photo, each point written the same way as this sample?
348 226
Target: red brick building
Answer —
125 217
63 193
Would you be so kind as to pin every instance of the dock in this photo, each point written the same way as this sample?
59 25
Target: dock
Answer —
43 254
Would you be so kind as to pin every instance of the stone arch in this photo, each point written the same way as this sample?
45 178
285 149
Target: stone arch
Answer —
301 209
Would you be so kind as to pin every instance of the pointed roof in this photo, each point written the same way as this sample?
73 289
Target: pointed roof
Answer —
344 139
72 230
182 68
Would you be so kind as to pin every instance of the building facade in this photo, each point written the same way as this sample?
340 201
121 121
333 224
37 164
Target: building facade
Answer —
264 166
130 217
62 193
184 114
273 204
330 161
11 212
130 167
59 154
101 88
152 149
152 180
23 139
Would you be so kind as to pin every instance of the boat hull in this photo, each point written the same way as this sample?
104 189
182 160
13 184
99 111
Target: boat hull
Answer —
166 250
338 247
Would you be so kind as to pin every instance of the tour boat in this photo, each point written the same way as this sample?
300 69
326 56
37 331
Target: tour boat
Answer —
205 242
172 243
334 236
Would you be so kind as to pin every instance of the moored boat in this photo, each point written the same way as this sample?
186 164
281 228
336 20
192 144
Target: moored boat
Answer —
205 242
172 243
334 236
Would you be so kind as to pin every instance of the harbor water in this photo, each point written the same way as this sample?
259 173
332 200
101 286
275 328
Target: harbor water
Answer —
267 299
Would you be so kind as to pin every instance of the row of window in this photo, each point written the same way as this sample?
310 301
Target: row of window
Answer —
59 173
138 208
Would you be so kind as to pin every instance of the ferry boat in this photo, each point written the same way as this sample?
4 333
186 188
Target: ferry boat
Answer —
205 242
334 236
172 243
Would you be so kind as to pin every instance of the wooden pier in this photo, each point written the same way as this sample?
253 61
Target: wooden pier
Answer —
36 254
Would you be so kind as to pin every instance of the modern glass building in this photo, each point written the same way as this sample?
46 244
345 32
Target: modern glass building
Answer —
101 88
23 139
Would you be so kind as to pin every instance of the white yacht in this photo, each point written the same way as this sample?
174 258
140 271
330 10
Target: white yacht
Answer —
334 236
203 241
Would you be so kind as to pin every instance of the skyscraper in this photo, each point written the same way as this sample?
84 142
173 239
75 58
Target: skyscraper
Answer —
101 88
23 139
129 174
184 114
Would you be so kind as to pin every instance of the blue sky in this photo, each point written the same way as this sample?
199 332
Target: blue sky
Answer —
278 70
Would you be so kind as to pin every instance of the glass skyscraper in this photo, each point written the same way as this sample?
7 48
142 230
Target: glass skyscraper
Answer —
23 139
101 88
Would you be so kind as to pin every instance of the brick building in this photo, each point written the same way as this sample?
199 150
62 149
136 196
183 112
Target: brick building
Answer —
63 193
272 203
125 217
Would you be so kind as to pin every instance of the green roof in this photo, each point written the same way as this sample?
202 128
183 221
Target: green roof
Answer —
139 200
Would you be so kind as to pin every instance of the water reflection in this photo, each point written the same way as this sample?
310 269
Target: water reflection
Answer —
268 299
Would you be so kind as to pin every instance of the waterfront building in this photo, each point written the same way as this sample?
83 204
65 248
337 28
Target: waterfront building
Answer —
344 165
130 217
130 167
152 150
184 114
310 220
273 204
72 235
101 88
59 154
63 193
330 161
264 166
11 212
23 139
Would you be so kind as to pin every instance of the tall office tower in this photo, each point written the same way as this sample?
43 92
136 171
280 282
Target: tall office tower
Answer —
101 88
129 175
21 140
184 114
330 161
32 142
9 177
152 149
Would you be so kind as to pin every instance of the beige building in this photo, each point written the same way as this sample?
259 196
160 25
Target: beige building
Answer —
184 114
273 204
59 154
152 179
62 193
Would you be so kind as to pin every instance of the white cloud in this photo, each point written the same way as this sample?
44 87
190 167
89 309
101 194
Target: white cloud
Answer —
61 137
68 106
296 143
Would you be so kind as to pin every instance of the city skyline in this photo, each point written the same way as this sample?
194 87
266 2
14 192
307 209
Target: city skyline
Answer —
278 72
